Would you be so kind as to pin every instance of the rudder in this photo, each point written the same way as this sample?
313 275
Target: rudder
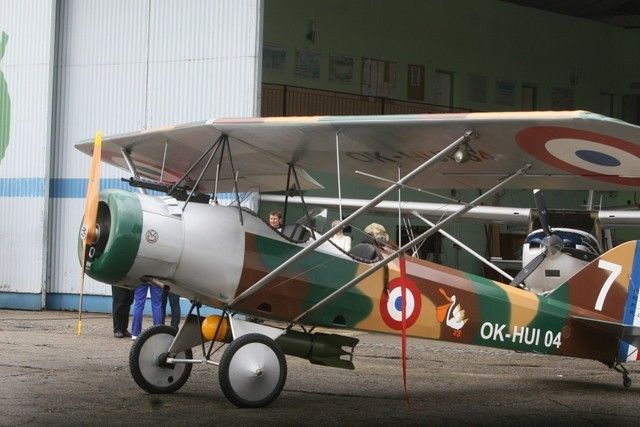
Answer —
608 285
609 289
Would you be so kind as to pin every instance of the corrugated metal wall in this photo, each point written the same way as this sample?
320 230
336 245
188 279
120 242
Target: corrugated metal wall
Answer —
101 66
124 66
25 73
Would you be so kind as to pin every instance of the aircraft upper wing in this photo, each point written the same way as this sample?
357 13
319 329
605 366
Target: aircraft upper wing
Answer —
567 150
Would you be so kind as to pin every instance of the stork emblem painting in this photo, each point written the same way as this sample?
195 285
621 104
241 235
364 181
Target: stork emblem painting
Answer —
451 313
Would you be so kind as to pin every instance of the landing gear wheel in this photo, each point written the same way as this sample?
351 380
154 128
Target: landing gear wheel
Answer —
147 361
252 371
626 381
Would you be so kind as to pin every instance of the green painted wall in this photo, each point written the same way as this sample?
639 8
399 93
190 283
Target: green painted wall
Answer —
488 38
5 102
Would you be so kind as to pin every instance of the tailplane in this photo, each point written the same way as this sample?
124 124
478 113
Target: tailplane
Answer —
608 291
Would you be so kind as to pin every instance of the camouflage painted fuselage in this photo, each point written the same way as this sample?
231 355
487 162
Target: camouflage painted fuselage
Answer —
444 303
207 255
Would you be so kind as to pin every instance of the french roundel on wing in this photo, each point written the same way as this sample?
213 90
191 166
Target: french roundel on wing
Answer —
391 303
583 153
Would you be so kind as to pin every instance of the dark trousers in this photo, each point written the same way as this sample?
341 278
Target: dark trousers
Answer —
122 300
174 303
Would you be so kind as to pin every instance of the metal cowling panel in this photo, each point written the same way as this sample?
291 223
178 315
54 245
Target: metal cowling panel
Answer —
125 230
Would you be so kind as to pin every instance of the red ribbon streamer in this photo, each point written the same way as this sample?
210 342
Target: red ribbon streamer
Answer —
403 287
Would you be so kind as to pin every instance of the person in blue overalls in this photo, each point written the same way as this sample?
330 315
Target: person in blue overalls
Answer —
139 298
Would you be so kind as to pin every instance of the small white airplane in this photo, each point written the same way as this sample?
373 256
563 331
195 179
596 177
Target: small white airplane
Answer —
228 258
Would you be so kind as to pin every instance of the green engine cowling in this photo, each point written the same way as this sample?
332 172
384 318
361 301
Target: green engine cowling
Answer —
138 235
197 249
119 223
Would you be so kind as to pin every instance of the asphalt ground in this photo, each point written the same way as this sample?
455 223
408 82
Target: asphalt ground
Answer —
50 376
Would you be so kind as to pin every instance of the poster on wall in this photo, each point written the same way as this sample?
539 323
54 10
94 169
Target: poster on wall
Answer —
274 59
477 88
307 63
505 92
340 68
415 82
378 78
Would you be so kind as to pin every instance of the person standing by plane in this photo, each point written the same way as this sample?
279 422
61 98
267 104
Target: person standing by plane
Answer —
174 303
122 300
275 220
140 298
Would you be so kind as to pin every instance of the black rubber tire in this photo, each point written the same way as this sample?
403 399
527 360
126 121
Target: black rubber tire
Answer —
258 388
146 366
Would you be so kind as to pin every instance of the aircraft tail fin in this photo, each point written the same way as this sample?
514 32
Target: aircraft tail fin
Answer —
609 288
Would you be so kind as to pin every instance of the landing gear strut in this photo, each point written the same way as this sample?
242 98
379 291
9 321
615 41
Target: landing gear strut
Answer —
626 379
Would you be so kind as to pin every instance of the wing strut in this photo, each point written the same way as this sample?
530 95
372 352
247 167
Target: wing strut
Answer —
215 145
291 192
419 190
407 247
361 211
338 174
220 142
224 141
126 155
466 248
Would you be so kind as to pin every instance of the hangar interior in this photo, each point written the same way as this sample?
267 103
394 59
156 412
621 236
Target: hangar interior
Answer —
71 68
363 57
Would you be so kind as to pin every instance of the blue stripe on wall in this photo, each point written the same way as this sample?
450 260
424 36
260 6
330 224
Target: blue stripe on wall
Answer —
17 301
70 188
90 303
21 187
59 188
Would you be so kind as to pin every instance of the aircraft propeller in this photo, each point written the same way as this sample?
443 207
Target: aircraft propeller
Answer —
89 232
550 245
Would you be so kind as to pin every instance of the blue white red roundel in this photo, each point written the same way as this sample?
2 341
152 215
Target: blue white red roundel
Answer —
391 303
584 153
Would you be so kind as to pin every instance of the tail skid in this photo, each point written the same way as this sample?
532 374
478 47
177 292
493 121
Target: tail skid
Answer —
607 292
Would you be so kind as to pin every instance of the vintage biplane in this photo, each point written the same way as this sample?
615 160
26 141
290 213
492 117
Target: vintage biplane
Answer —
228 258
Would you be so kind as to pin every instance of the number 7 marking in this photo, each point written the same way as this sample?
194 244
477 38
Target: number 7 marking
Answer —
615 270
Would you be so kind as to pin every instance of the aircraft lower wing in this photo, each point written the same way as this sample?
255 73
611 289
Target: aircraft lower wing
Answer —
574 149
486 214
619 218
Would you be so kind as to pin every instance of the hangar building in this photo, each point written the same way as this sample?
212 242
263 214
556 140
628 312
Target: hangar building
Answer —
71 67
